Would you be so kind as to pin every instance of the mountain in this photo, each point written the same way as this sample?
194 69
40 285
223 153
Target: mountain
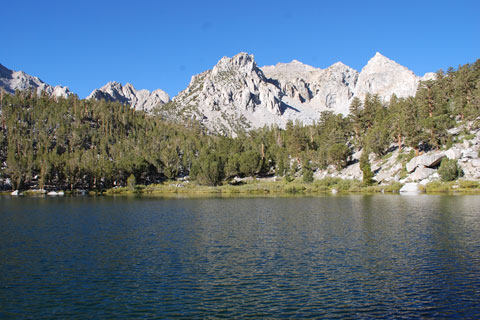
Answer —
18 80
238 94
127 94
386 77
235 94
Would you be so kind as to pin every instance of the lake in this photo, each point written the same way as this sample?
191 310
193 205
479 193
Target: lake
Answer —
356 256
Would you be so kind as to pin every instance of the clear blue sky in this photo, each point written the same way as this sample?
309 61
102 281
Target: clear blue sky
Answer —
161 44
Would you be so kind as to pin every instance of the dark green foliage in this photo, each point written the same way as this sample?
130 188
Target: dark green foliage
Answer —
449 170
366 169
131 182
338 154
207 169
307 173
249 162
72 143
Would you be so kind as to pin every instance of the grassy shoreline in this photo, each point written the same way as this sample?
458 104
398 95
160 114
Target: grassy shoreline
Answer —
256 187
261 187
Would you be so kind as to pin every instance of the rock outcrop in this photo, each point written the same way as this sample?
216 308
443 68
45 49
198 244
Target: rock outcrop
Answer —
385 77
236 94
233 96
10 81
127 94
426 160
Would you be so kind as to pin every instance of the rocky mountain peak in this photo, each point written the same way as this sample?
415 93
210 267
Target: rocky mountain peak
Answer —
292 69
242 62
237 94
127 94
384 77
380 62
18 80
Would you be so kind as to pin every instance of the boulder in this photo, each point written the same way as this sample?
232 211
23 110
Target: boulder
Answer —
352 172
476 162
410 188
388 174
421 173
469 153
427 160
453 153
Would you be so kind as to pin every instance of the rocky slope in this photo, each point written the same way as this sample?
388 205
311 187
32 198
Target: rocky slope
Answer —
127 94
18 80
238 94
414 172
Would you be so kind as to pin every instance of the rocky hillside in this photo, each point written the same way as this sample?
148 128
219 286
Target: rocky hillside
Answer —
238 94
18 80
414 172
127 94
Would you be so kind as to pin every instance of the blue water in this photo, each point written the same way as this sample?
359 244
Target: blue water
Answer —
325 257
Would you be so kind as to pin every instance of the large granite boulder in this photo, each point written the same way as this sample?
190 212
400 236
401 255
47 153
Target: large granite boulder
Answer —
421 173
453 153
410 188
430 159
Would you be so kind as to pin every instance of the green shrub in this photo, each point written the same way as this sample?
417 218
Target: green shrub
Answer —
307 174
327 182
393 187
366 169
449 170
449 143
288 178
437 186
468 184
343 185
131 182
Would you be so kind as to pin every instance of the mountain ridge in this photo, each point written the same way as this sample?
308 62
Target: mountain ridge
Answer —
236 94
11 80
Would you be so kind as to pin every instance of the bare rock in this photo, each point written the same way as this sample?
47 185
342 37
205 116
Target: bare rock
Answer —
237 95
427 160
385 77
410 188
421 173
469 154
10 81
137 99
476 163
453 153
352 172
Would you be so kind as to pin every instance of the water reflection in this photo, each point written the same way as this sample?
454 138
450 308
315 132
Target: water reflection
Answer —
330 257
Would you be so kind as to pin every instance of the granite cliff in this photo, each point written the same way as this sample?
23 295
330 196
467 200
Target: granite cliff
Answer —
238 94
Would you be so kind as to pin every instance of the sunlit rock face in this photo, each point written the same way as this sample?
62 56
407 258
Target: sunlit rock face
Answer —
10 81
236 94
127 94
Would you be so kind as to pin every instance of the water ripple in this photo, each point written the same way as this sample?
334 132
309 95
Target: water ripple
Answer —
352 257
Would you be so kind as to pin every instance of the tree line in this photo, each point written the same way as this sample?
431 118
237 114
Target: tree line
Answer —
70 143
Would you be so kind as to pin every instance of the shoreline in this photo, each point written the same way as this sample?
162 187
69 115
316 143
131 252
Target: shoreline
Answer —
259 187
